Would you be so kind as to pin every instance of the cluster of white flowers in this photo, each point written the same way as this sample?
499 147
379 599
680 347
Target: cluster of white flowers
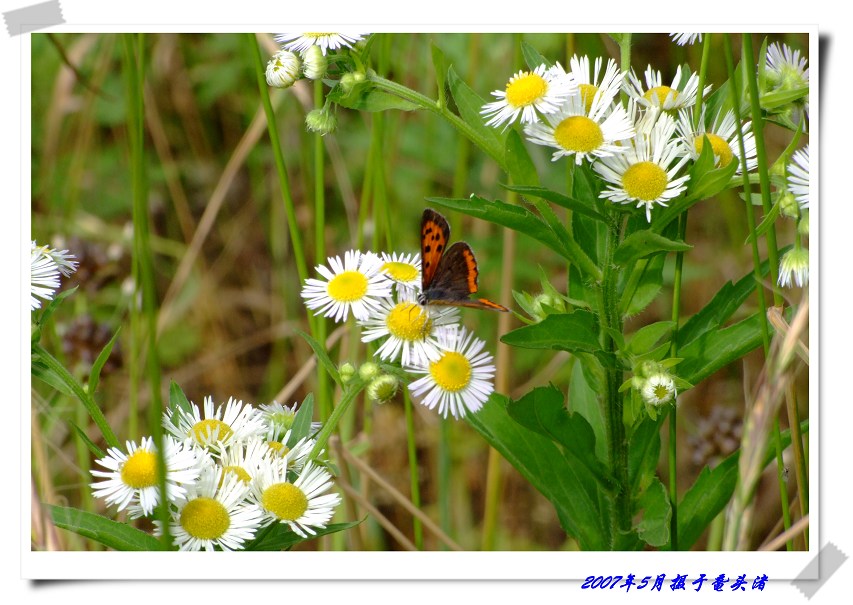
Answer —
381 292
230 470
641 149
305 55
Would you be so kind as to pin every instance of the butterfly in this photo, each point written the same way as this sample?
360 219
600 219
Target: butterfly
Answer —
449 275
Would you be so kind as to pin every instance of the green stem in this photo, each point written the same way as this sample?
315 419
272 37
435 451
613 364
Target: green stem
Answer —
321 325
413 467
772 248
134 45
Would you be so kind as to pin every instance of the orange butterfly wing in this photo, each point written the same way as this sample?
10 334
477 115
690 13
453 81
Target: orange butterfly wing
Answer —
435 232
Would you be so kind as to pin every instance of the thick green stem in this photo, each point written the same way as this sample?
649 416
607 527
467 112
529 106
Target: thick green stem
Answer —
350 394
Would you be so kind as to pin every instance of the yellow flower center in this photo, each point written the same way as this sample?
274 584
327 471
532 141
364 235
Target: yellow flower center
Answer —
237 470
317 34
452 372
645 181
285 501
408 321
348 286
279 448
403 272
210 431
525 89
661 92
719 146
661 392
578 133
205 519
587 95
140 469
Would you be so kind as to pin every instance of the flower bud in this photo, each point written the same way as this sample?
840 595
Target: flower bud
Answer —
788 205
383 388
346 372
368 371
283 69
322 121
314 63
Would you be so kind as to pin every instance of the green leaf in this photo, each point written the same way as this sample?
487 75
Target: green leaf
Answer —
645 338
645 243
644 453
584 392
95 375
302 422
716 349
710 183
281 537
543 410
53 304
322 356
577 331
39 370
439 64
543 464
96 451
469 104
177 399
507 215
112 534
557 198
518 163
648 285
781 98
653 529
725 303
532 57
364 96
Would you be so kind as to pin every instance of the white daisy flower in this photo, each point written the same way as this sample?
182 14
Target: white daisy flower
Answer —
411 329
794 268
357 284
659 389
403 269
527 92
326 41
647 172
798 176
279 419
244 458
685 39
283 69
214 514
682 92
302 504
46 264
216 429
588 125
131 478
723 137
461 380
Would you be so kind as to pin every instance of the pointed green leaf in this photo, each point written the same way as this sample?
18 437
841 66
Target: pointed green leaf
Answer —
322 356
717 349
585 390
364 96
469 104
557 198
96 451
39 370
543 464
178 400
95 375
781 98
53 304
281 537
648 336
532 57
302 422
118 536
577 331
439 64
518 163
645 243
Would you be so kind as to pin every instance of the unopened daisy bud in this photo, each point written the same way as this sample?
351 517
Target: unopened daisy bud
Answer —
794 268
321 120
383 388
788 205
346 372
368 371
350 80
658 390
283 69
548 300
314 63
